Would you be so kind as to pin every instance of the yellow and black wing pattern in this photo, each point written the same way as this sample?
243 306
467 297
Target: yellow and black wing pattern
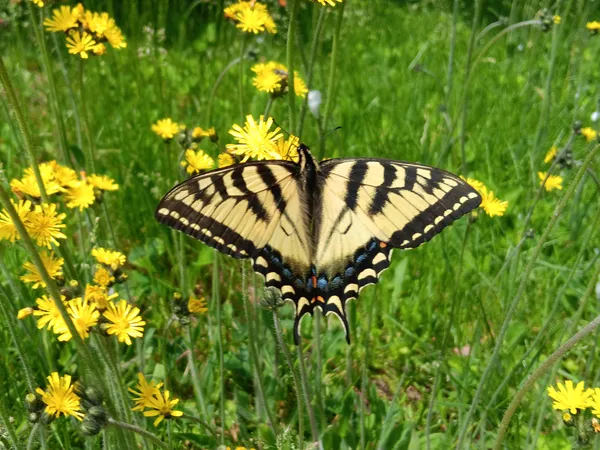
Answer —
318 232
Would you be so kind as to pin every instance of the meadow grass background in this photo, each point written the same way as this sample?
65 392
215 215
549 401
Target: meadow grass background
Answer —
394 96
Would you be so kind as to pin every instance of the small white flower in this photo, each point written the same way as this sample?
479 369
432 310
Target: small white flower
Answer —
314 102
595 116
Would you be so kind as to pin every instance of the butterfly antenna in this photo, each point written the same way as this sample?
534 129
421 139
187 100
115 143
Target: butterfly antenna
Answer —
323 137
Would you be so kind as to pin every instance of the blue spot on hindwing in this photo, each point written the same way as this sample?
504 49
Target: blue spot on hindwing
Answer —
361 258
322 283
335 283
349 272
372 246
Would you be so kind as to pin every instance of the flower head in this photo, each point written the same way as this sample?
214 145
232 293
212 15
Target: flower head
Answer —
272 77
255 140
25 312
99 296
475 184
159 404
8 230
288 149
589 133
45 225
593 27
63 19
197 305
80 43
38 3
551 154
28 185
594 400
166 128
52 264
126 321
48 314
84 316
102 182
225 160
60 397
199 133
144 393
80 195
103 277
63 176
196 162
553 181
110 258
251 17
491 205
569 398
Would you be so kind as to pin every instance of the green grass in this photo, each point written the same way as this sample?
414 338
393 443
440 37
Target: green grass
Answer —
390 98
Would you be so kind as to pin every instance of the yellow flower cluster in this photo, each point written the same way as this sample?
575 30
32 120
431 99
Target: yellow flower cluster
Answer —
575 399
195 162
42 223
272 77
60 397
153 402
87 31
251 17
256 140
492 205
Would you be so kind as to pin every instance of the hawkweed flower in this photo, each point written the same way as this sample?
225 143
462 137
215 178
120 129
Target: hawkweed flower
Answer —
98 295
80 43
492 205
553 182
52 264
225 160
196 162
103 277
197 305
593 27
288 149
45 225
28 186
48 314
570 399
199 133
102 182
80 194
251 17
124 321
160 405
60 397
25 312
8 230
84 316
166 128
63 19
272 77
62 175
551 154
144 393
589 133
255 140
593 400
109 258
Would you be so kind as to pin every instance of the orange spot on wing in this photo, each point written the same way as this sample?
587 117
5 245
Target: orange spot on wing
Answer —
314 281
382 244
320 299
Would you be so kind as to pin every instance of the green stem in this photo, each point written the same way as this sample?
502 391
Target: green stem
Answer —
363 383
213 91
194 373
241 77
520 291
217 302
450 71
32 435
138 430
293 12
541 370
332 77
307 395
8 426
90 149
297 386
268 107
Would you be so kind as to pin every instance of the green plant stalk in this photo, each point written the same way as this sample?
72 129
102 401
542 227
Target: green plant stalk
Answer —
241 77
12 435
217 302
364 377
319 370
293 12
90 149
541 370
194 373
311 65
519 294
32 434
50 284
297 386
307 396
254 355
331 83
213 91
450 70
138 430
268 107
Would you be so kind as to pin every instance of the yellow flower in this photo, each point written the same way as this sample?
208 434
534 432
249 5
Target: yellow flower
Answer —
45 225
63 19
99 49
53 267
102 182
197 305
80 44
272 77
80 195
63 176
553 181
97 23
103 277
556 19
594 400
84 316
126 321
329 2
145 392
160 405
7 227
60 397
196 162
299 86
491 205
24 312
28 186
110 258
595 425
288 150
166 128
251 17
48 314
225 160
567 398
255 140
475 184
98 296
114 36
589 133
593 27
551 154
199 133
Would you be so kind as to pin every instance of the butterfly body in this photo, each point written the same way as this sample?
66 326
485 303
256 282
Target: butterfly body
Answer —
318 232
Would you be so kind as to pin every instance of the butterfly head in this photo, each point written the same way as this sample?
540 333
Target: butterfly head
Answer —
305 159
